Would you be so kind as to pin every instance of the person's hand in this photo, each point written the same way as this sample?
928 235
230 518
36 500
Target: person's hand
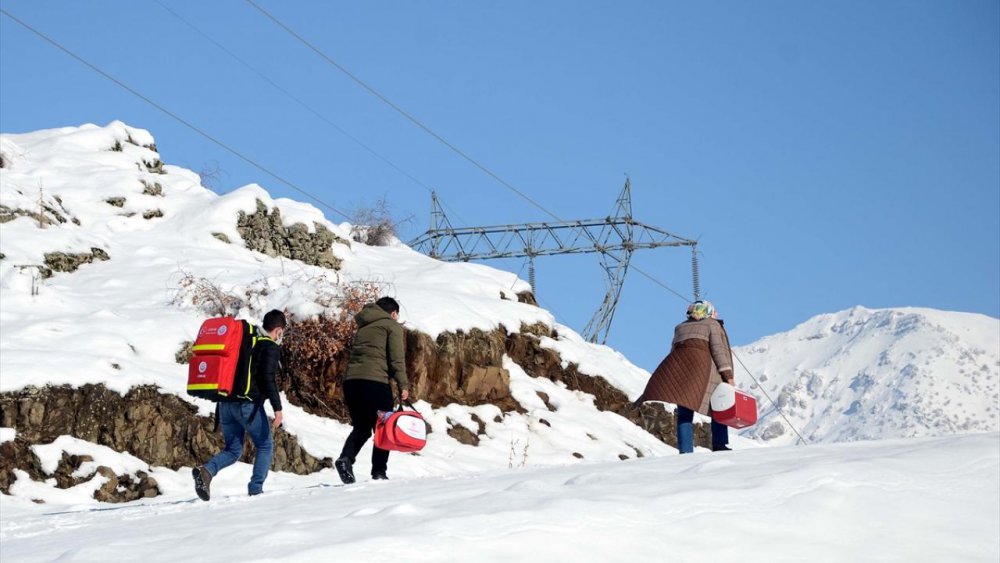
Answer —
727 376
404 394
277 420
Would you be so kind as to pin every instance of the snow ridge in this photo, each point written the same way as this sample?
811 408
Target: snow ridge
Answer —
867 374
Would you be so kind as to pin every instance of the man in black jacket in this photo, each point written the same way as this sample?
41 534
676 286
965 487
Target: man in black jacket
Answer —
245 413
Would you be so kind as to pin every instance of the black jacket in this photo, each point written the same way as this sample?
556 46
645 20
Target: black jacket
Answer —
264 366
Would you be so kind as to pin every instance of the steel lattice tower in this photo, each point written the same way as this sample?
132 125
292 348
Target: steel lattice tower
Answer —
614 238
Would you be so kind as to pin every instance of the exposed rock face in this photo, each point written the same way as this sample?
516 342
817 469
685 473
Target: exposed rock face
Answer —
526 351
151 188
46 214
460 368
264 232
17 454
66 262
160 429
456 368
465 368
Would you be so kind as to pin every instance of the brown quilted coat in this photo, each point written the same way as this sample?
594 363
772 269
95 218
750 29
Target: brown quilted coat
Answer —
690 372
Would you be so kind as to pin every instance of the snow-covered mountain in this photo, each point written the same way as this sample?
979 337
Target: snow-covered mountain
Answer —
864 374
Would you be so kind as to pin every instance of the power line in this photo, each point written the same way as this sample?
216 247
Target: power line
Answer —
400 110
294 98
428 130
775 405
178 118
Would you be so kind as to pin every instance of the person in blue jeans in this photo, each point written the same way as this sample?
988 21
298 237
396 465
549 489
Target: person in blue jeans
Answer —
685 432
700 359
245 415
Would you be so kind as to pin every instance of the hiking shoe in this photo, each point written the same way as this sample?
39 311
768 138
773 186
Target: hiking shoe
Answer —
380 476
202 481
345 469
721 449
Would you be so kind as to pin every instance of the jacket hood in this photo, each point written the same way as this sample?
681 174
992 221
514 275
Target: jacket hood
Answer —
371 313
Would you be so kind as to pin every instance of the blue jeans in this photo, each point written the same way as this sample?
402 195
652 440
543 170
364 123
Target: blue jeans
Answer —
685 431
233 418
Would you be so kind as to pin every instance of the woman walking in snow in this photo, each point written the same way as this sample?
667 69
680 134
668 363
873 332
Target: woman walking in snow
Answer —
700 358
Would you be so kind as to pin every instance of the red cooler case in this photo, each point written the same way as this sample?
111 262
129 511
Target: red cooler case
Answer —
733 407
216 353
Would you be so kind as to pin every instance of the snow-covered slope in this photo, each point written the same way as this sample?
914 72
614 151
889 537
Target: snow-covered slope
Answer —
931 499
865 374
119 320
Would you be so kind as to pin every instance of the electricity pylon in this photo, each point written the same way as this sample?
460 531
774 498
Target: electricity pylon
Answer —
614 237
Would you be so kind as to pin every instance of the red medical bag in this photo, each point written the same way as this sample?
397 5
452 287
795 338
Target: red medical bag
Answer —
400 431
217 357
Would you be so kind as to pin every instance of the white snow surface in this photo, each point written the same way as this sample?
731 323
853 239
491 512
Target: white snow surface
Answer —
869 374
929 499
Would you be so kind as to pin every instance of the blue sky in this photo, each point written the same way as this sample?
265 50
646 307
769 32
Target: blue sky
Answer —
826 154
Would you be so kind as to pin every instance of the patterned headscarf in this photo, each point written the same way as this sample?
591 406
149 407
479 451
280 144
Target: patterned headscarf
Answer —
702 310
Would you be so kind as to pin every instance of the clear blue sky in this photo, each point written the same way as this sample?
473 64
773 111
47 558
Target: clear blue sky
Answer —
826 154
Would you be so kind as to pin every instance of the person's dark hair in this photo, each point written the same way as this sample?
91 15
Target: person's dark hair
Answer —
388 304
274 319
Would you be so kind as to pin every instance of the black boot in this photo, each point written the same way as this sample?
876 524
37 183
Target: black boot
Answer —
202 482
379 476
722 448
345 469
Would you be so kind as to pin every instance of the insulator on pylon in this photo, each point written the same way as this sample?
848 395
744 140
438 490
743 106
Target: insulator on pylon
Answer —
694 273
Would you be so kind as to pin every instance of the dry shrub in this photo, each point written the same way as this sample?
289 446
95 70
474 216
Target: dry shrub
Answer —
315 351
317 342
207 296
374 225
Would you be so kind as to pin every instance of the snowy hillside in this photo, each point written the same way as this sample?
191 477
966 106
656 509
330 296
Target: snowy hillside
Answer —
106 252
932 499
865 374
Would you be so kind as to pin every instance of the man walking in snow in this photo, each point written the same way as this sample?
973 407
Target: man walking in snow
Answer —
245 413
378 354
700 358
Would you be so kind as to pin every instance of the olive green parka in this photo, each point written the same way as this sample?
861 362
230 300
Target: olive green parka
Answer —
379 350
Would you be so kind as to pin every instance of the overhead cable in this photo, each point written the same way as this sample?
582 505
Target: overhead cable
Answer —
400 110
294 98
176 117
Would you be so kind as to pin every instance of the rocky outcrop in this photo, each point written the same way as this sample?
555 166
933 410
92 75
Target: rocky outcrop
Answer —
463 368
17 454
466 368
263 231
45 214
526 350
69 262
160 429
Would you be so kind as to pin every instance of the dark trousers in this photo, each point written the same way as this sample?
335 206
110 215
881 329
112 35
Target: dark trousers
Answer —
364 399
685 431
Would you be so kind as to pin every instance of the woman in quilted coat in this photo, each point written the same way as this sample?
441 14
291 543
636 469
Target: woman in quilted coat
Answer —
700 358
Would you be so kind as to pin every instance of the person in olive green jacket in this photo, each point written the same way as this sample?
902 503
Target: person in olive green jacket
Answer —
378 355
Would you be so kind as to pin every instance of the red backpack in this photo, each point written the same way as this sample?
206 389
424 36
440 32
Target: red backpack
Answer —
400 431
220 367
